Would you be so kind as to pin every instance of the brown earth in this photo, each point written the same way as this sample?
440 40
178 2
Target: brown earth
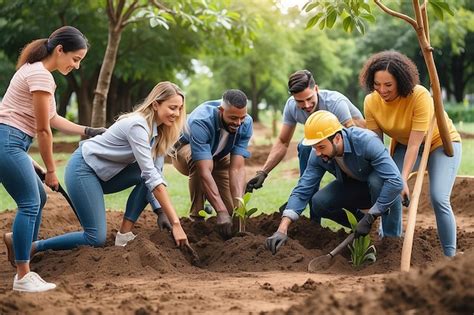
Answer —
239 276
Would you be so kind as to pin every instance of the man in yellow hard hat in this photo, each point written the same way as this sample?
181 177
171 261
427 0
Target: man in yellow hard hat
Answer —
366 177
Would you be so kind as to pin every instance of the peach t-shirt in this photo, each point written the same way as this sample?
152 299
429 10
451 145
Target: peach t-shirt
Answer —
399 117
16 108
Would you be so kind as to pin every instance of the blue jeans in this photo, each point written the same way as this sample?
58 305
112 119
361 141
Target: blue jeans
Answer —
86 191
349 194
442 171
20 180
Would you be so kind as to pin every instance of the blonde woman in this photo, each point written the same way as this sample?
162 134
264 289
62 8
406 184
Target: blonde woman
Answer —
129 153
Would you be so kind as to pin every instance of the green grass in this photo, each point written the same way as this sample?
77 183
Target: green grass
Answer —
268 199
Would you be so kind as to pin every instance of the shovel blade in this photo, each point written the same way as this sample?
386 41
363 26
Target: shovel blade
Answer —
320 263
192 255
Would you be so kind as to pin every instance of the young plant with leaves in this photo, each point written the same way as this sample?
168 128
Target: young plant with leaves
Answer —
207 212
242 211
361 248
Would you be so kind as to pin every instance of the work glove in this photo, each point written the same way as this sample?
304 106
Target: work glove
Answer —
364 225
92 132
274 242
224 224
256 182
162 221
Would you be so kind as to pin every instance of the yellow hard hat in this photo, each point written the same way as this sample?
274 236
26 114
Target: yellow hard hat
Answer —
319 126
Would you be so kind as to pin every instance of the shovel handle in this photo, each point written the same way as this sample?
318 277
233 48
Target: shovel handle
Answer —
341 246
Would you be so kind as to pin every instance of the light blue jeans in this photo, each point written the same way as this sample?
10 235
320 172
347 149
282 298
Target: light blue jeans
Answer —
86 191
442 171
20 180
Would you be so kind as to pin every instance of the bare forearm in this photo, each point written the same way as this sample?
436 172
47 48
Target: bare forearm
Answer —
277 154
212 192
161 194
284 224
66 126
45 145
409 160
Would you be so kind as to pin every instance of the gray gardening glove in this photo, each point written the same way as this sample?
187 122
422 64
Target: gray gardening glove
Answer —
224 224
92 132
274 242
364 225
162 221
256 182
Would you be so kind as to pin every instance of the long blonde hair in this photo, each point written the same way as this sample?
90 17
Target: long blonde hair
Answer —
167 135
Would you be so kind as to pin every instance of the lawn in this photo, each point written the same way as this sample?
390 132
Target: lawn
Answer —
268 199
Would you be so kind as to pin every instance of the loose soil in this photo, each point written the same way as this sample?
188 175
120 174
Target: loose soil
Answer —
239 276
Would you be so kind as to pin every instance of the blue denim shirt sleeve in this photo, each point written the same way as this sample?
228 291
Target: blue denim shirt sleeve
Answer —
307 185
240 146
200 140
139 141
385 167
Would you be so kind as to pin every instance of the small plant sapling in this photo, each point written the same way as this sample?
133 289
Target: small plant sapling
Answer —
361 248
242 212
207 212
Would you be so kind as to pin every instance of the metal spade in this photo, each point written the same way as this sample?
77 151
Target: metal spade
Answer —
324 262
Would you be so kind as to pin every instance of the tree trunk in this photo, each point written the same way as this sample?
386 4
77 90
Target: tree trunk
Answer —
64 100
457 70
103 83
254 96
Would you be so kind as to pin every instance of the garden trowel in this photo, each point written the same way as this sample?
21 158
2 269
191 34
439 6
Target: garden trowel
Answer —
323 262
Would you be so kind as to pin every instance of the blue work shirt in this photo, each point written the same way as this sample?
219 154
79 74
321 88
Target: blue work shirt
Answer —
364 154
203 132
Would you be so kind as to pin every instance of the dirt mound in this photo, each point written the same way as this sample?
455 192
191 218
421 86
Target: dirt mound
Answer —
446 288
239 275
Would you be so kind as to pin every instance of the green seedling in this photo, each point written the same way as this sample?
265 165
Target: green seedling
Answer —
207 212
361 248
242 211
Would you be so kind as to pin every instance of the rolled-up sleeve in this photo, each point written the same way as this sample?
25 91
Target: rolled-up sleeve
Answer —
240 147
139 141
307 186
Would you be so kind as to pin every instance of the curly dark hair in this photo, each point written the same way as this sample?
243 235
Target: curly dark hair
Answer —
397 64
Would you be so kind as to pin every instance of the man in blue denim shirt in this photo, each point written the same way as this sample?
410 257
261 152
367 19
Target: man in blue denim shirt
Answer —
366 177
212 152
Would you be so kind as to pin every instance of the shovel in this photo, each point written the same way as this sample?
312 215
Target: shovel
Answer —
42 175
324 262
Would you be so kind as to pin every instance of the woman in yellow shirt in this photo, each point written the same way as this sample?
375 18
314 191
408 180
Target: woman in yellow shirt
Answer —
402 109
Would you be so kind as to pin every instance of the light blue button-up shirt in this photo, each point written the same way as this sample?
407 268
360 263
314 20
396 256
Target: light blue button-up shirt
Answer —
364 153
204 129
125 142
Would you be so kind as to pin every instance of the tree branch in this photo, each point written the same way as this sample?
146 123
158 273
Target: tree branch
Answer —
426 25
118 13
109 8
161 6
396 14
130 11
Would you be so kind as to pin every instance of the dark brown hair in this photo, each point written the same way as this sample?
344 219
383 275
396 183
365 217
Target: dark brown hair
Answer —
300 80
397 64
70 38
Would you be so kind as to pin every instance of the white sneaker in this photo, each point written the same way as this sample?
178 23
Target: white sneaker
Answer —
123 239
31 282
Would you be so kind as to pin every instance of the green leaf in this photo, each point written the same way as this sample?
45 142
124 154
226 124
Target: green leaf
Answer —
202 213
360 26
312 21
247 197
370 257
331 19
251 211
369 17
310 6
352 219
365 6
437 9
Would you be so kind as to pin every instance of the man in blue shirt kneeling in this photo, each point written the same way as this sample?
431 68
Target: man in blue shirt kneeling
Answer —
212 152
366 177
